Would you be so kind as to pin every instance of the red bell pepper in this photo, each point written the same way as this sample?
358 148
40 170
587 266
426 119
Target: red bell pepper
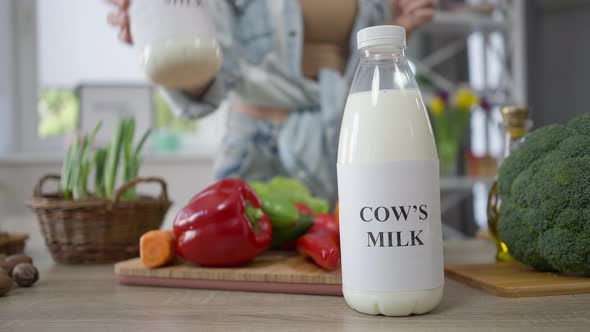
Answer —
223 225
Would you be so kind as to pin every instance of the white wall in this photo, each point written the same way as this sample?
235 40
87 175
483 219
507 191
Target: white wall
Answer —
6 77
77 44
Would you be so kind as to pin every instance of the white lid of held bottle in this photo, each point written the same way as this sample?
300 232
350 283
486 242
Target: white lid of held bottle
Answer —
381 35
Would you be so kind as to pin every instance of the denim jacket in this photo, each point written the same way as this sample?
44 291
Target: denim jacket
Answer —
261 43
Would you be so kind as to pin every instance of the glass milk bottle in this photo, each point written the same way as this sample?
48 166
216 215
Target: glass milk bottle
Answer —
388 185
176 41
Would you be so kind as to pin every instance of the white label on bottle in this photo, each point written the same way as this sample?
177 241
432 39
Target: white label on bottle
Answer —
390 227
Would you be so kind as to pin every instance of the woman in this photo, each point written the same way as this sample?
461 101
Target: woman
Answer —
286 69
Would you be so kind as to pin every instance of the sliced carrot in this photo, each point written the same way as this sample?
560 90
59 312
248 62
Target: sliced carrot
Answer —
157 248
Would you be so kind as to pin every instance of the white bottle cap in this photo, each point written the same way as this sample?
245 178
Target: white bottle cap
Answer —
381 35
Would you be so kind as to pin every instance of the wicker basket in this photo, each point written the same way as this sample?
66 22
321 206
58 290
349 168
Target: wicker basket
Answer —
12 243
97 230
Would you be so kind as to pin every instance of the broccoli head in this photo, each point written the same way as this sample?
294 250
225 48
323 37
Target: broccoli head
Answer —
545 191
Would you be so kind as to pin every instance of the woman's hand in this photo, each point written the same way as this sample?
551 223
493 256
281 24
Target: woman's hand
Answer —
412 14
120 19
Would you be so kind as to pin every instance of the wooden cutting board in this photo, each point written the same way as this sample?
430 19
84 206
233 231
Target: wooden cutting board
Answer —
516 280
276 272
285 272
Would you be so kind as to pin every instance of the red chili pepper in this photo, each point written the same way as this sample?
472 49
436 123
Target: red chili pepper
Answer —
223 225
325 221
322 246
304 208
320 221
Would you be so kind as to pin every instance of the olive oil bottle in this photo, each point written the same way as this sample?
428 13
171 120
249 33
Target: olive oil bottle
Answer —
515 125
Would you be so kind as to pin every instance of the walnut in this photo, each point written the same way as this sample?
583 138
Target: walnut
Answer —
11 261
25 274
5 282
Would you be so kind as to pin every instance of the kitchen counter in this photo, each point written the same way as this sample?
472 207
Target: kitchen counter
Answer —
88 298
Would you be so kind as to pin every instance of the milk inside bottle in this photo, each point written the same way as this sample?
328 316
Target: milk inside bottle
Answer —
388 185
176 41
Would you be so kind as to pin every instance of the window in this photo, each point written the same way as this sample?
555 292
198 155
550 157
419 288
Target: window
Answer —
64 44
485 74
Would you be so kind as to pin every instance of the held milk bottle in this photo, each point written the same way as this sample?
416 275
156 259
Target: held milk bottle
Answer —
388 185
176 41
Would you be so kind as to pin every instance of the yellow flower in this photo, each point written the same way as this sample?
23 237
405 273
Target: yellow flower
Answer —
437 105
464 99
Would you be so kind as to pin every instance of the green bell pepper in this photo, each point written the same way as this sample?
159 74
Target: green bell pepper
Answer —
278 198
282 213
318 205
295 191
282 236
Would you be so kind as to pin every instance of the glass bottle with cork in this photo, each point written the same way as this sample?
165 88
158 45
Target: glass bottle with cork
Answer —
516 122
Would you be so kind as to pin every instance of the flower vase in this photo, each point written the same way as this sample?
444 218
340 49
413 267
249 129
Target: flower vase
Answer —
448 155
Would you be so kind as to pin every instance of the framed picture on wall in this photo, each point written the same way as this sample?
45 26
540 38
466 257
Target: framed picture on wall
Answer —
109 102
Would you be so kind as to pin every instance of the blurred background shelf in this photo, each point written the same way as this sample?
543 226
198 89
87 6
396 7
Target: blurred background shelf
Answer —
466 22
463 182
481 45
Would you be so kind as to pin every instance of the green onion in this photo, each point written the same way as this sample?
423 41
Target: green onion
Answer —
78 162
128 149
66 171
133 161
112 162
100 158
84 165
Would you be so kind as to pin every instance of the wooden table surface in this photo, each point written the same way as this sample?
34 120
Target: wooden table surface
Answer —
87 298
